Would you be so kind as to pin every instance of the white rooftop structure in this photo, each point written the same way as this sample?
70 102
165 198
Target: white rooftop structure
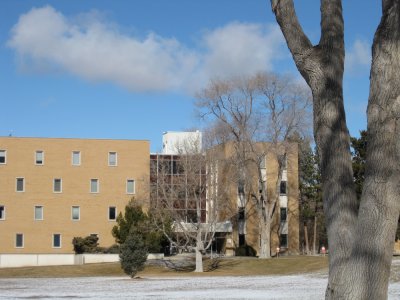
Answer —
181 142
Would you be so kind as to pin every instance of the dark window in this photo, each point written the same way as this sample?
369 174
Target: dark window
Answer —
2 156
241 214
192 216
164 167
2 212
57 188
112 213
19 240
39 157
283 241
242 240
57 240
283 187
283 214
153 166
20 185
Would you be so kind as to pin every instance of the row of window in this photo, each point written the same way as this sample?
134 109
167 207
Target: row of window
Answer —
38 213
75 158
57 185
19 240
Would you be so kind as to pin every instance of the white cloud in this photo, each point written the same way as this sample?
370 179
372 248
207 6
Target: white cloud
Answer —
96 50
358 56
241 48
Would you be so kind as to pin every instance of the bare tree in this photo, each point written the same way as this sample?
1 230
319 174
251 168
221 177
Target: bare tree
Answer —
181 194
250 111
360 240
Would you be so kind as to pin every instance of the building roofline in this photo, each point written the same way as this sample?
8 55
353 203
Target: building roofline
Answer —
71 138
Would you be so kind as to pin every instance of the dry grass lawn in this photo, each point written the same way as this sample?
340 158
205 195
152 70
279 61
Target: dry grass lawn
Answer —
224 267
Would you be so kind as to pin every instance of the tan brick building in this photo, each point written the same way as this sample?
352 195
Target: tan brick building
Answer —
243 213
52 190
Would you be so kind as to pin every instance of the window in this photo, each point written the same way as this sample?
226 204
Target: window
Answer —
263 164
283 214
241 214
2 212
39 158
19 240
112 213
262 186
94 185
75 213
112 158
285 163
76 158
283 187
57 186
130 186
56 240
20 185
3 157
242 240
283 240
38 212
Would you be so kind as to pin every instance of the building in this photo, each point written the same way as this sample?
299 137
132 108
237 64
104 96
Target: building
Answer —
181 142
173 182
52 190
242 210
173 177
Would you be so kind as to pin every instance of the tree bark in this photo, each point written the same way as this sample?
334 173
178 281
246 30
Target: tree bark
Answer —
199 255
360 249
322 67
368 271
265 237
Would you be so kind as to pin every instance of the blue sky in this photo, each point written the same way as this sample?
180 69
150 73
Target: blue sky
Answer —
129 69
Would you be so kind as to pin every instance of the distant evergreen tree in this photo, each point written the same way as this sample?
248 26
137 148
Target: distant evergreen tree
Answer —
134 219
133 216
133 253
359 146
311 210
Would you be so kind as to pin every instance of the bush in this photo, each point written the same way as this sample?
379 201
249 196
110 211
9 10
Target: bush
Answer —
133 254
245 250
87 244
114 249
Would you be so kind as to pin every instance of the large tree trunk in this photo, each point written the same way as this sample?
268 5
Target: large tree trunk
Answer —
367 274
265 237
360 250
322 67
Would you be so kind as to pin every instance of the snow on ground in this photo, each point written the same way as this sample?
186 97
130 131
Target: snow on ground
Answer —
249 287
